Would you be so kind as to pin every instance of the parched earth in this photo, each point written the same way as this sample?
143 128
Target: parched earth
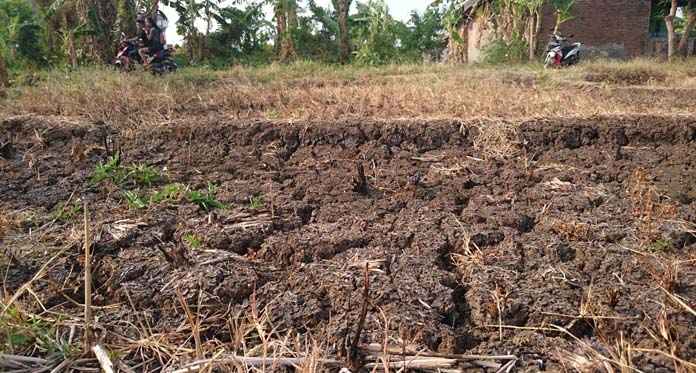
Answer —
567 243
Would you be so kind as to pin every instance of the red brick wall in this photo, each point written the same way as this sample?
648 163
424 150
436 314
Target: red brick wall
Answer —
604 22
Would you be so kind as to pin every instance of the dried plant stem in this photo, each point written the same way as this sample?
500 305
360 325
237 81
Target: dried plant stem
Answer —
88 285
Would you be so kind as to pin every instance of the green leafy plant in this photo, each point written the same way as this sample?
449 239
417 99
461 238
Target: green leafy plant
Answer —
658 245
205 199
171 192
63 212
111 170
194 240
134 201
255 202
25 331
143 175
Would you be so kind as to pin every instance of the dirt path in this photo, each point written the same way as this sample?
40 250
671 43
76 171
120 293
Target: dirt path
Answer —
548 240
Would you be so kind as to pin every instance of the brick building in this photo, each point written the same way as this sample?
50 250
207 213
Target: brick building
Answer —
606 28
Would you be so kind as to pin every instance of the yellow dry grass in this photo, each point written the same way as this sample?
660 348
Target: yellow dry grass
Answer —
307 91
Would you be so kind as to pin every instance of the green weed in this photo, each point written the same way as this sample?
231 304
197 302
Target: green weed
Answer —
111 170
135 202
22 331
658 245
170 192
205 199
143 175
64 213
194 240
255 202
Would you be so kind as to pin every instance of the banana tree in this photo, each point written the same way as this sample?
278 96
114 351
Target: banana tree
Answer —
4 75
342 8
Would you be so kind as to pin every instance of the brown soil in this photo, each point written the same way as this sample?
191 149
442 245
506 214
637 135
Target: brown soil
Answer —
467 226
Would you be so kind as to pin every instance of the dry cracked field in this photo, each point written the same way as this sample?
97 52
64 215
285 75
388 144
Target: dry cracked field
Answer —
235 243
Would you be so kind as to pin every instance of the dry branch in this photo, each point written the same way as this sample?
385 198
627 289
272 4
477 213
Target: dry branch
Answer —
252 361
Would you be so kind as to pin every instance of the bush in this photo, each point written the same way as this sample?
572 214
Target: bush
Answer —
498 51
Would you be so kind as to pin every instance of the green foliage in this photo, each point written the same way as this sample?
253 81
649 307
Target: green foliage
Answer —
63 212
21 36
373 29
134 201
255 202
498 51
111 170
125 17
22 331
194 240
205 199
658 245
141 175
242 33
170 192
423 37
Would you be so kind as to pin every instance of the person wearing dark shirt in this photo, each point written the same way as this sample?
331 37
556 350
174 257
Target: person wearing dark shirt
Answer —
153 40
141 38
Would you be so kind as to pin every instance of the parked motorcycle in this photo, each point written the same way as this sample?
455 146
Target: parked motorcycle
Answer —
559 52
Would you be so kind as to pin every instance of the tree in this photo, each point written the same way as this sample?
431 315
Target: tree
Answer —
286 24
691 21
563 12
342 8
424 35
4 75
241 32
125 17
669 21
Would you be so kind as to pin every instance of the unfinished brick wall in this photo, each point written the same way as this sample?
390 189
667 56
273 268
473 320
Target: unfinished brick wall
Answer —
604 22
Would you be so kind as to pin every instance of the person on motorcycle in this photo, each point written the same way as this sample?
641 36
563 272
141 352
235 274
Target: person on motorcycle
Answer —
153 39
142 36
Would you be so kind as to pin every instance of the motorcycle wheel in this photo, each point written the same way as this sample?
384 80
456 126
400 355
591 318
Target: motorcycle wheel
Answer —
170 65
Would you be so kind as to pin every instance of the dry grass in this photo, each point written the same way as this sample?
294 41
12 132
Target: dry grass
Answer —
309 91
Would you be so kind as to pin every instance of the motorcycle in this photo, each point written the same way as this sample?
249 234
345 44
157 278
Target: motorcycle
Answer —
162 62
123 62
559 53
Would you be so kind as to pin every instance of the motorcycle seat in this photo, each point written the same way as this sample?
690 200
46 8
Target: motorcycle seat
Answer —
567 49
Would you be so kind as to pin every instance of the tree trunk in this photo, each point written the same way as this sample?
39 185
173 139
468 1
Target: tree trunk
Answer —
288 52
281 25
69 41
343 37
4 75
201 47
682 48
669 21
